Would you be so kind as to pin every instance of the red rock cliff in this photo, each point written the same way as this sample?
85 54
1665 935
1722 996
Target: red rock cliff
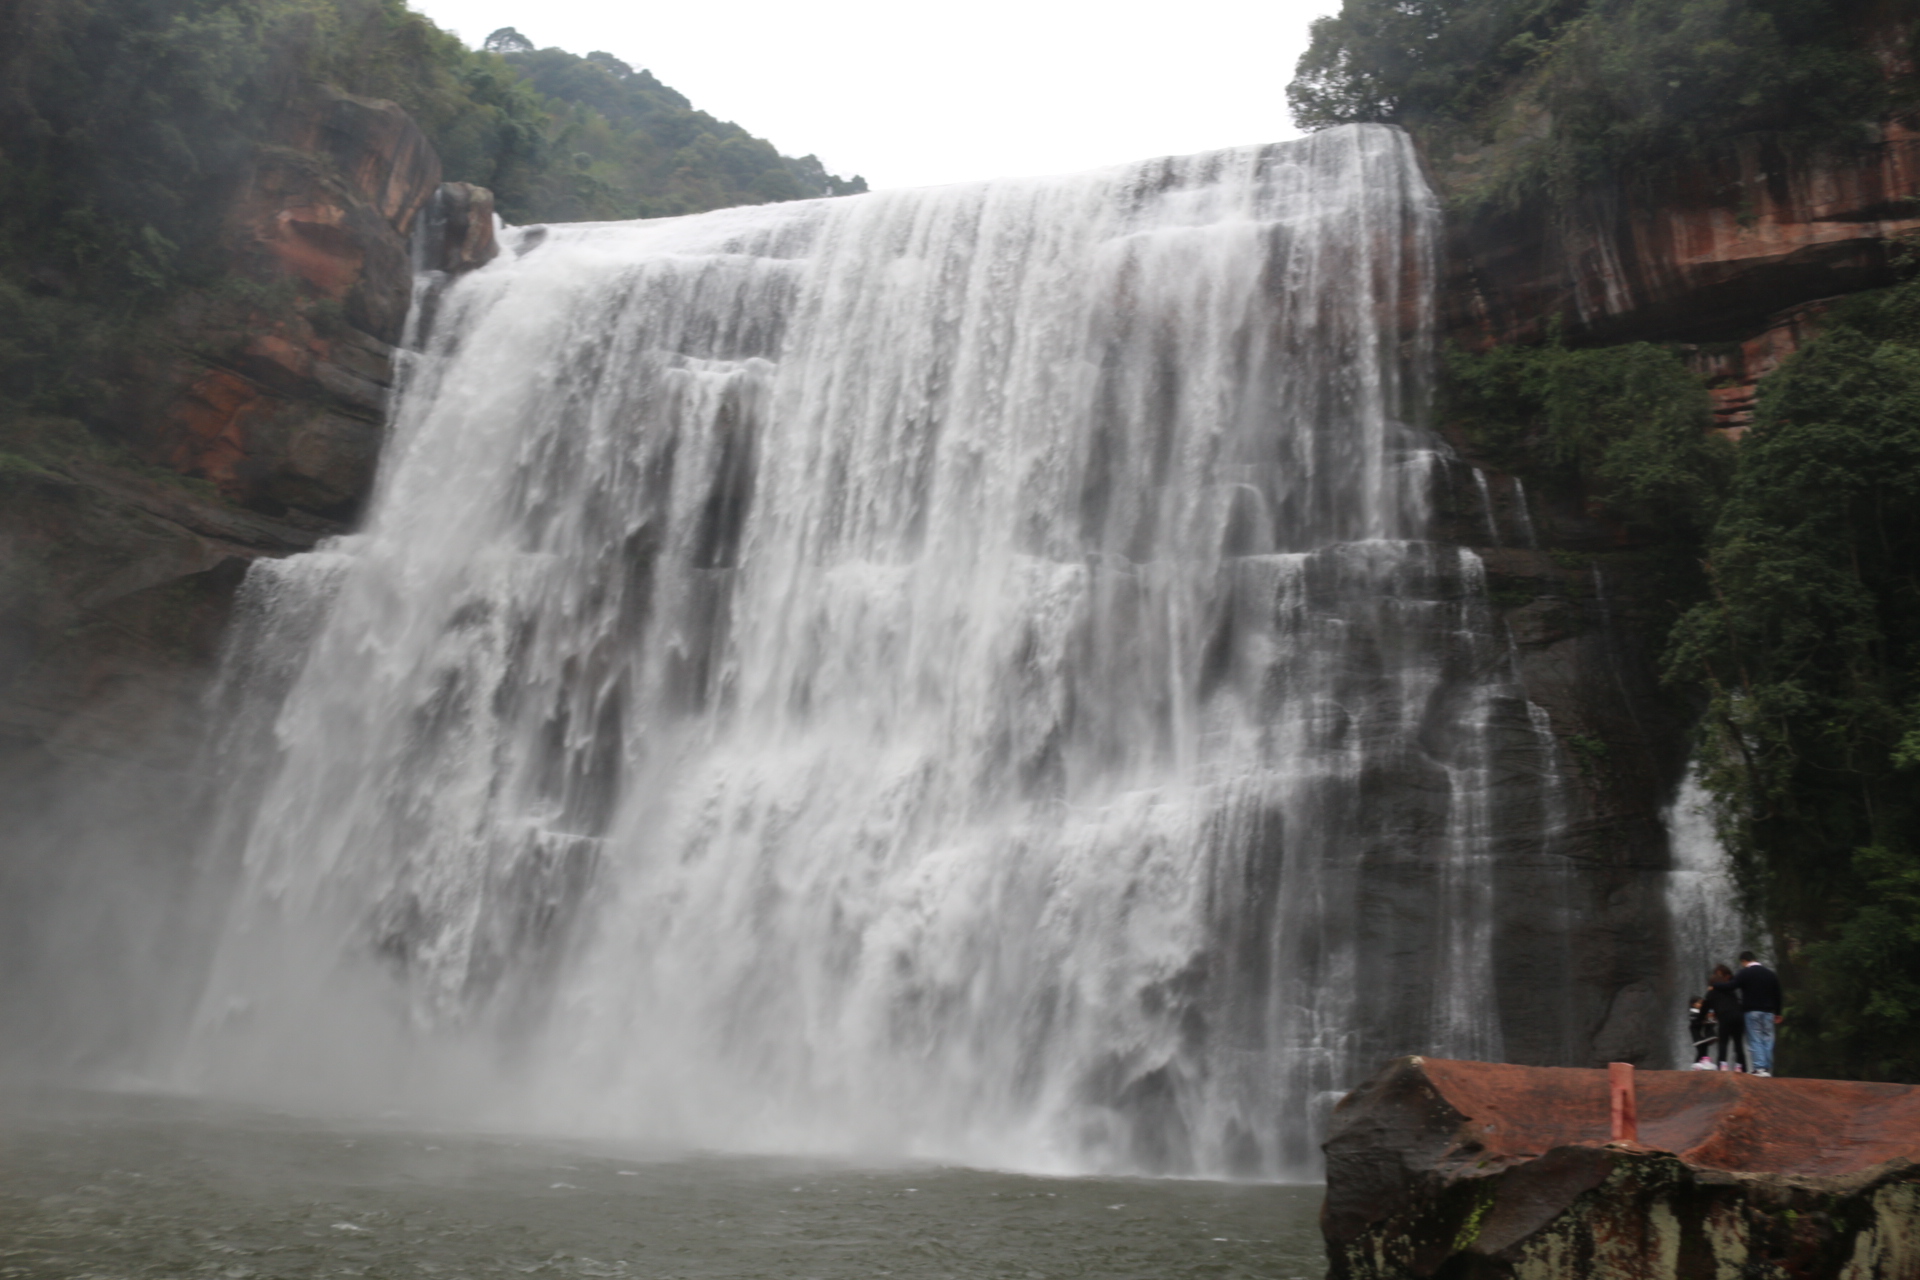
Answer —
1705 252
281 407
1742 249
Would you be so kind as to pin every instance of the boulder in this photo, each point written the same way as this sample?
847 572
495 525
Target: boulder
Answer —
458 235
1488 1171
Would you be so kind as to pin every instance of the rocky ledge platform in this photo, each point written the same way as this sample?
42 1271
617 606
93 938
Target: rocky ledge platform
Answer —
1475 1170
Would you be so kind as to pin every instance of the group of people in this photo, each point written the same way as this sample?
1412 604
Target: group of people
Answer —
1736 1017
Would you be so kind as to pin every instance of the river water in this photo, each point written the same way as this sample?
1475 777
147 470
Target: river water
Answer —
118 1186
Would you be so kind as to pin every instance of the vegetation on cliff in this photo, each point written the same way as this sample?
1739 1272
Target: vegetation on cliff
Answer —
1793 562
1568 90
1625 426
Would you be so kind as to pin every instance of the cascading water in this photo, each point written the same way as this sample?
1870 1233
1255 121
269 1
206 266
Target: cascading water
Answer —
1703 900
954 671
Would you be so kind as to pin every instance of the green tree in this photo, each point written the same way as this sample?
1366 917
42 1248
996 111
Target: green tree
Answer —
1809 645
650 153
1401 60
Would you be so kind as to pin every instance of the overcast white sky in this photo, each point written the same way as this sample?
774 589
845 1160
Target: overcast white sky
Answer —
916 94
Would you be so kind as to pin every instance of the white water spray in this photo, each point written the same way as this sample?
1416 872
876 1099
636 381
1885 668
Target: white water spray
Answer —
1702 901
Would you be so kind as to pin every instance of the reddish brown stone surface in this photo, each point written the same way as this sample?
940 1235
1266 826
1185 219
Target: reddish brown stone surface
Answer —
280 405
1718 1119
375 147
1478 1170
1709 251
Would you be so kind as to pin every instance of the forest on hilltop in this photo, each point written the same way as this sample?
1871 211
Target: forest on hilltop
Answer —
633 148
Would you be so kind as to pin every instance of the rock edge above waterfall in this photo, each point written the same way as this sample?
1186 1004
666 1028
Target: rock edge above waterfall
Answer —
1477 1171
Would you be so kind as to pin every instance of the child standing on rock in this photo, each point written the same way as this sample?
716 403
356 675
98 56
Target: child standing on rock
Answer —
1723 1002
1700 1032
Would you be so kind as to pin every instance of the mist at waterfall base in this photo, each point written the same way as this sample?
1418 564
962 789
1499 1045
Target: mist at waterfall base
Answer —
951 674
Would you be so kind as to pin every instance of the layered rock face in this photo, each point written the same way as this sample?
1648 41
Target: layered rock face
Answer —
1706 252
1724 247
1476 1171
1740 249
1588 978
1741 252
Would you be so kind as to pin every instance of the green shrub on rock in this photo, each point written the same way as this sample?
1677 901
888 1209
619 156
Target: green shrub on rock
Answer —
1625 425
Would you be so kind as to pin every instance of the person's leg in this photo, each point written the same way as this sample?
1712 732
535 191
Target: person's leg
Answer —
1722 1038
1760 1041
1740 1046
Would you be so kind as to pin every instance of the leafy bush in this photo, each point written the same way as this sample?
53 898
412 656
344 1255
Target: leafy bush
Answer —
1863 997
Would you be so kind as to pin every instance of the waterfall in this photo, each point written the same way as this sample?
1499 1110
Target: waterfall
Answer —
1702 902
953 671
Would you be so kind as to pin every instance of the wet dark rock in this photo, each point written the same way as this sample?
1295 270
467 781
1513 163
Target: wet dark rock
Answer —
115 590
1582 950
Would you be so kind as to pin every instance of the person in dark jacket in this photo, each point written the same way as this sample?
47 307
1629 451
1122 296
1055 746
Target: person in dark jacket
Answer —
1723 1002
1761 1009
1700 1031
